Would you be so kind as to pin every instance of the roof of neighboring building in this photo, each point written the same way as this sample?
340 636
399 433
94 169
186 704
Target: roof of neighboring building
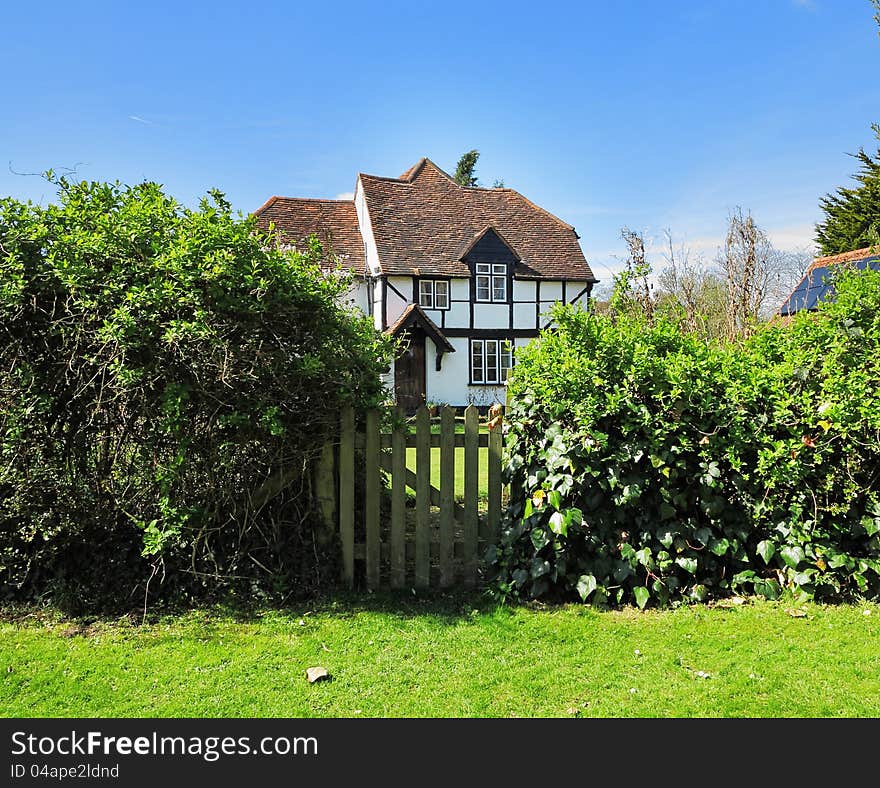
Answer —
424 221
334 222
817 285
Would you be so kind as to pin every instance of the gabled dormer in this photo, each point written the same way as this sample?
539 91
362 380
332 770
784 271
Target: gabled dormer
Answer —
491 261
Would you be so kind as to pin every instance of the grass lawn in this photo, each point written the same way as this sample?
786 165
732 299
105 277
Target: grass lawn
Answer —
450 656
482 482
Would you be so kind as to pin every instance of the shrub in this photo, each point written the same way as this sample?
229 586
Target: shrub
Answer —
167 376
649 465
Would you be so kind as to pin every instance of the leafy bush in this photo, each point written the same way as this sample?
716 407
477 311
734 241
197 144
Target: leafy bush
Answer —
167 377
649 465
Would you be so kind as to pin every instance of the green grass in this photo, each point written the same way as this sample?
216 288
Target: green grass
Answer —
483 476
450 656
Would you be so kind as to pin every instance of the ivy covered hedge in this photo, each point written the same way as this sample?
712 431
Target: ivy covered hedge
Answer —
167 376
649 466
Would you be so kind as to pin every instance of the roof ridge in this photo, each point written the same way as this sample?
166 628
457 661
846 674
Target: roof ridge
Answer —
840 257
308 199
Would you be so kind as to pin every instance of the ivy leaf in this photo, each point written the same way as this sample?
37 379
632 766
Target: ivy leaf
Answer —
666 538
766 550
555 499
519 577
792 555
558 524
703 535
540 567
642 595
643 556
871 525
539 539
585 586
573 516
688 564
719 546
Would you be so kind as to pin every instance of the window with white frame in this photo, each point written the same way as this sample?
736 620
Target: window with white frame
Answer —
491 282
434 293
491 360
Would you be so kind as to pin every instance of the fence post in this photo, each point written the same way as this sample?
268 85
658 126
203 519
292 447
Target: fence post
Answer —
371 504
325 490
447 494
471 493
494 517
346 493
398 504
423 500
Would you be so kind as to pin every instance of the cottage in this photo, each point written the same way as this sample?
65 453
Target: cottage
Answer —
816 286
463 274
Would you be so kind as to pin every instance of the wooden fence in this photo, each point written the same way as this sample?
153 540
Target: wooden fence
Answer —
385 542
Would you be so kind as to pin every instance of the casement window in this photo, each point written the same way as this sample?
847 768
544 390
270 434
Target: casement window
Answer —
434 294
491 360
491 282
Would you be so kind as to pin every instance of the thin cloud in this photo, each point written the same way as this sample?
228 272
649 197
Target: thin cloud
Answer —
344 196
139 119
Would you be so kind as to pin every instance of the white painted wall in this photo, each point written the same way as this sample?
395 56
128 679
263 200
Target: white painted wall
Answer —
523 290
491 315
450 385
572 289
377 304
523 316
395 304
357 294
460 289
458 316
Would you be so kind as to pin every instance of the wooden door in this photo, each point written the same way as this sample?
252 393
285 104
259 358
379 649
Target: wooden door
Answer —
409 372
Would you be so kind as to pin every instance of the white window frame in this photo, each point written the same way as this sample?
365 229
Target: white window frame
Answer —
429 293
491 361
492 279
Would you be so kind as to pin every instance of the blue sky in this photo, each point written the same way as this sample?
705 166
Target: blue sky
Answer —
647 114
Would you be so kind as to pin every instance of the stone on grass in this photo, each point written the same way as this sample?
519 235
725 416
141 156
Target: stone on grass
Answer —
317 674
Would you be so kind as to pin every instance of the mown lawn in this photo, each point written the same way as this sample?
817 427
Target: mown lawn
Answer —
482 476
449 656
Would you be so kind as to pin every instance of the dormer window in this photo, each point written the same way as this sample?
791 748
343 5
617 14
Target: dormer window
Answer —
491 282
434 294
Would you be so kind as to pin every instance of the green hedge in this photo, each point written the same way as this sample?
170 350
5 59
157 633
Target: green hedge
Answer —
649 466
158 365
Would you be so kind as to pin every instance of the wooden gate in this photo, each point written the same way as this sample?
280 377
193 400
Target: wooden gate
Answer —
434 538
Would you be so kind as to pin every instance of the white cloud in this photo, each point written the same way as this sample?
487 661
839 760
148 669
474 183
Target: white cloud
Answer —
344 196
140 119
793 237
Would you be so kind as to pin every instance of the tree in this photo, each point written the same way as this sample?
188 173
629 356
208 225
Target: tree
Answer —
852 215
632 286
690 292
464 171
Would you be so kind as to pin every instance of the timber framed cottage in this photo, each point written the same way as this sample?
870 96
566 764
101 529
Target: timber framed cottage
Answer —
462 274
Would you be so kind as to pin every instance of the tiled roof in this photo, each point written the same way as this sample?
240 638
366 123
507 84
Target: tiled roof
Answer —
333 221
425 219
845 257
415 314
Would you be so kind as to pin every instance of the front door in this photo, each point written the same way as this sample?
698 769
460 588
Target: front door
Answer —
409 372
